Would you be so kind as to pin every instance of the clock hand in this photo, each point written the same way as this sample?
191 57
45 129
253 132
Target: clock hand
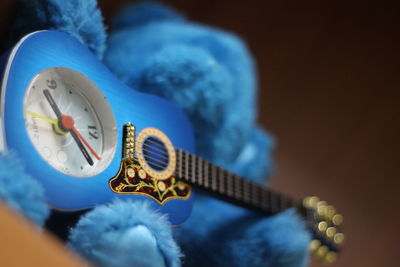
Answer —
82 148
52 103
41 117
54 122
67 125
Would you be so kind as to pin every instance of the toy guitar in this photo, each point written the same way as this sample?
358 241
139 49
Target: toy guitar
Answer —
89 139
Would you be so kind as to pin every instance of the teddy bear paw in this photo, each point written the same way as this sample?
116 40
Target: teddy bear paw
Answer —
125 233
21 192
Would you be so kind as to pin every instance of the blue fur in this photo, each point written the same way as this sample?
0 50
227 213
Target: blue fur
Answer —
226 235
81 19
22 193
125 234
143 13
255 159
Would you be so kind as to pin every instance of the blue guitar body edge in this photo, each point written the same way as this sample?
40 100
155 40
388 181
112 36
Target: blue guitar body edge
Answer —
45 49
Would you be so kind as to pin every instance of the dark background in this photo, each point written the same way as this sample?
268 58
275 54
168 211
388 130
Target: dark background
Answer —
329 92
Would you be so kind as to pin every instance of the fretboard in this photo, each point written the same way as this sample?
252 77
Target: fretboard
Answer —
231 187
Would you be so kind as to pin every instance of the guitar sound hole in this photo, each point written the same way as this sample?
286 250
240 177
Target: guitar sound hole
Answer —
155 153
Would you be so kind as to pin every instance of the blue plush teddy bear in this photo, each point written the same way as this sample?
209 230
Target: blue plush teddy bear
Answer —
211 76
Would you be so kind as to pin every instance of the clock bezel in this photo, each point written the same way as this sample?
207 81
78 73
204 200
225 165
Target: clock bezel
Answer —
92 95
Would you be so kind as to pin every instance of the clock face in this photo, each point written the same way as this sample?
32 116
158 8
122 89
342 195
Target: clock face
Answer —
69 122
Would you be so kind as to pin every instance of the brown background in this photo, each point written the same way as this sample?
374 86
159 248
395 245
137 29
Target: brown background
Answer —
329 93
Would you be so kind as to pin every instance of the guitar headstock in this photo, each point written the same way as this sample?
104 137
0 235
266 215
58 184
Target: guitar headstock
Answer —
325 224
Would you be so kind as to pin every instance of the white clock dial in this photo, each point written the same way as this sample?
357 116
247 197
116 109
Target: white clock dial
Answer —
69 122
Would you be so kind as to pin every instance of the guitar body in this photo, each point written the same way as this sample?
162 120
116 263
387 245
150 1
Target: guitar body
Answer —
48 49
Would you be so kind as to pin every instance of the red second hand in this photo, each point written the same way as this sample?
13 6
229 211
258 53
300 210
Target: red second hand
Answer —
86 143
68 123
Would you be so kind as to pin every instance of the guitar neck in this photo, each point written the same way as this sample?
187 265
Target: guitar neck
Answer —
231 187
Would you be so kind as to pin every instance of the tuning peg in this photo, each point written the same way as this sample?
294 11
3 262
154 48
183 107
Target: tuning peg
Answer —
322 226
321 209
321 252
330 211
310 202
330 232
337 219
314 245
330 257
338 239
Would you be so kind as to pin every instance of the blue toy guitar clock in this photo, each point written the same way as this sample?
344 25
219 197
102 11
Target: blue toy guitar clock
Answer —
88 139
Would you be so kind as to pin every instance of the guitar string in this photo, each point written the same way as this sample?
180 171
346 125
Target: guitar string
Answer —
263 193
196 173
190 170
258 203
151 158
273 203
162 153
160 149
156 164
164 156
255 195
244 196
157 143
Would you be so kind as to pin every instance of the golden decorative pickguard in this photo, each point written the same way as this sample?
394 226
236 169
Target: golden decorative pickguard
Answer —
133 179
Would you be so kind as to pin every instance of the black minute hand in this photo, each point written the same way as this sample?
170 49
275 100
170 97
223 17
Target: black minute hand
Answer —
52 103
57 111
82 148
